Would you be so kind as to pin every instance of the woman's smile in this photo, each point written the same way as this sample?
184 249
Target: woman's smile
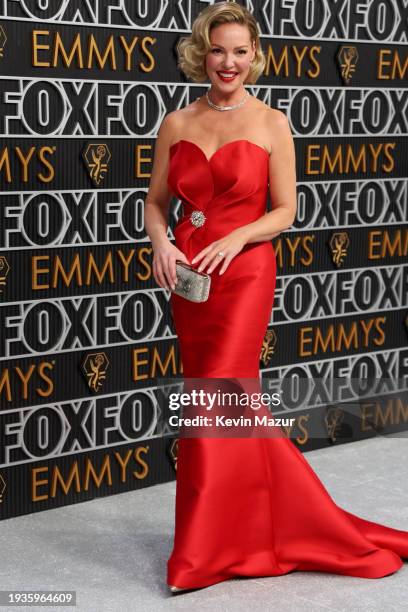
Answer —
226 75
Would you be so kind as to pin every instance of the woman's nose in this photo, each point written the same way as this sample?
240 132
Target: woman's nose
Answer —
228 62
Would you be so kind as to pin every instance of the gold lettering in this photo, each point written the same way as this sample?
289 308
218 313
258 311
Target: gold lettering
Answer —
36 47
24 161
341 336
76 49
320 159
145 471
398 70
139 160
57 479
5 161
47 164
5 385
36 483
128 50
90 471
145 41
93 50
395 246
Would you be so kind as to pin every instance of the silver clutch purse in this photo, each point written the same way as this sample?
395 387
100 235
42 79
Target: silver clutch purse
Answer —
191 284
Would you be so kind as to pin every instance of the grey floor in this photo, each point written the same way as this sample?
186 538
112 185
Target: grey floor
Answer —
113 551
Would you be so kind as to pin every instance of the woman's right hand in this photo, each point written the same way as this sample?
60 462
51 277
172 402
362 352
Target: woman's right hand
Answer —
164 264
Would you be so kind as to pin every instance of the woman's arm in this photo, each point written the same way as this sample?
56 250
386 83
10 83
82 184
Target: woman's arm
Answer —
158 196
282 184
157 207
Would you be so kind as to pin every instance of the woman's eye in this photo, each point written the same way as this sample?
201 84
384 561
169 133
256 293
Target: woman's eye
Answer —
241 51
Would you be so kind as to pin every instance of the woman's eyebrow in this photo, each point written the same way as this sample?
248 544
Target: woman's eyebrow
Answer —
240 47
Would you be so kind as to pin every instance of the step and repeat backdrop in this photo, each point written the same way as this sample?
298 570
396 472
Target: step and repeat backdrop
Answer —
86 334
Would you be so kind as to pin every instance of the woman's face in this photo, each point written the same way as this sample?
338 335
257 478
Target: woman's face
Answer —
231 51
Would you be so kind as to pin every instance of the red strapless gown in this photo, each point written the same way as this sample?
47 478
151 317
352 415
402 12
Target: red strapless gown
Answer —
248 506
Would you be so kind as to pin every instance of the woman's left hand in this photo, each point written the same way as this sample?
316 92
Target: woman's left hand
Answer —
230 246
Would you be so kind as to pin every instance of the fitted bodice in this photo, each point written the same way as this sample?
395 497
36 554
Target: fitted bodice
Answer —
224 192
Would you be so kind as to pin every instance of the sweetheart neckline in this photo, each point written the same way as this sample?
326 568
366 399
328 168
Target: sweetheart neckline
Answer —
209 159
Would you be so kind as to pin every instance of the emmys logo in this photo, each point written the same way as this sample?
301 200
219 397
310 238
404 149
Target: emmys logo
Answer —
3 39
96 157
268 346
4 270
2 488
339 243
173 450
347 58
333 420
94 367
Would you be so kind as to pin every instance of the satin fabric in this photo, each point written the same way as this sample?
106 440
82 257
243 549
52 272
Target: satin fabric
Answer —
248 506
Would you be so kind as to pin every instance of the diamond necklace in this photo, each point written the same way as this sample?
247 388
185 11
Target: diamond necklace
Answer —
226 108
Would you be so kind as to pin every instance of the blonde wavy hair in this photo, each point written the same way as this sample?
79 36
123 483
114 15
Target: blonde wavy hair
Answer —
192 49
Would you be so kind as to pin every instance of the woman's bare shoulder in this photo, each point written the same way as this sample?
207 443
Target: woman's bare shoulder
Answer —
171 120
270 122
278 128
269 113
276 117
175 122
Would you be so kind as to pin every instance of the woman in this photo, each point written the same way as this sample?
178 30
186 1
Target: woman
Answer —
244 506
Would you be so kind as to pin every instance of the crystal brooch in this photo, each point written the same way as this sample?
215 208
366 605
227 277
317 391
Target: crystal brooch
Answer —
197 218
